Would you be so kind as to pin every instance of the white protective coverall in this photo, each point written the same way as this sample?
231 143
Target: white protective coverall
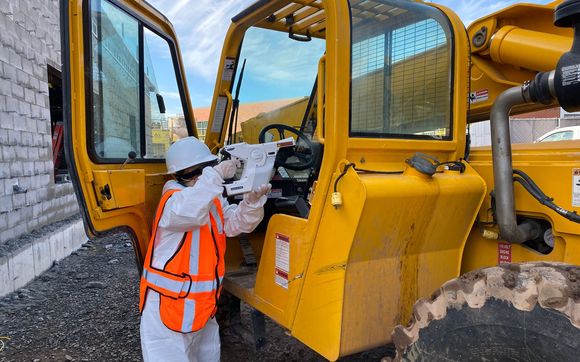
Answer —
185 211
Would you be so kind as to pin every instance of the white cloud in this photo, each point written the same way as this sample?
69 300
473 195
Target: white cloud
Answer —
201 27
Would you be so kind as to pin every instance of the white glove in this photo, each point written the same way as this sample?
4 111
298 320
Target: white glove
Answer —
253 197
227 169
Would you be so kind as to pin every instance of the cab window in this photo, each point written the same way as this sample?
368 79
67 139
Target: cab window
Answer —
134 90
401 73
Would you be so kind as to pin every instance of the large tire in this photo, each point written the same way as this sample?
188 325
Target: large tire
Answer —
513 312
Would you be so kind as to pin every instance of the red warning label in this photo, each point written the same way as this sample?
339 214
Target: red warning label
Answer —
479 96
504 253
282 268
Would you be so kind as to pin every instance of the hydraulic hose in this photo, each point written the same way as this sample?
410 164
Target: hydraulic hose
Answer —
534 190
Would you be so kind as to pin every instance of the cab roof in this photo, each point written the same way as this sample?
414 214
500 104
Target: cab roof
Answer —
308 17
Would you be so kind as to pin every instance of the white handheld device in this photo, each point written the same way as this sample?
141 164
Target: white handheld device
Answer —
257 162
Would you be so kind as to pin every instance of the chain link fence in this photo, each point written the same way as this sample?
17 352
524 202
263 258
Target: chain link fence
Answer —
521 130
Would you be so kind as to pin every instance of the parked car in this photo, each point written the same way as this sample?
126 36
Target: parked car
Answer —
561 134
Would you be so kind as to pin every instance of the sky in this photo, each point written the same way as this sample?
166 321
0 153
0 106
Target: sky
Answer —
201 26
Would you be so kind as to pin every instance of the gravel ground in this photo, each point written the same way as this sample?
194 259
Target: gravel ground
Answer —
85 308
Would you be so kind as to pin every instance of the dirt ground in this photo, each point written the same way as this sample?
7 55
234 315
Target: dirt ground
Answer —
85 309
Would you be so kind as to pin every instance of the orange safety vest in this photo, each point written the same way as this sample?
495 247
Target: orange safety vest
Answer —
190 283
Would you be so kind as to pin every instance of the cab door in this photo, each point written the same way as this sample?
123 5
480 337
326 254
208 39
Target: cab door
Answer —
125 101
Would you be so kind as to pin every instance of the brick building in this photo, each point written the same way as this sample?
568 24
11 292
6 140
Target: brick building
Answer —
30 108
246 111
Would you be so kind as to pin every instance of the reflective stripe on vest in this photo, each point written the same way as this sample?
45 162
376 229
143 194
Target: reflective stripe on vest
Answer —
194 253
188 315
187 285
160 281
214 213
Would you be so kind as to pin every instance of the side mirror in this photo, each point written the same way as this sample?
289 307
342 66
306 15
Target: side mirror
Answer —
160 103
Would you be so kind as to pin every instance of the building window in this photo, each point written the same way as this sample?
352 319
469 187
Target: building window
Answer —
201 129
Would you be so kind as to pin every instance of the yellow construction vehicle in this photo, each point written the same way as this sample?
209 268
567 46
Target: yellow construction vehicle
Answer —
384 214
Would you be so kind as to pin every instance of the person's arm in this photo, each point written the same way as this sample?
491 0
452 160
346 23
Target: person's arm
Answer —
189 208
244 217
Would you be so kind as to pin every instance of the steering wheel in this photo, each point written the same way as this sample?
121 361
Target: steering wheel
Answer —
302 153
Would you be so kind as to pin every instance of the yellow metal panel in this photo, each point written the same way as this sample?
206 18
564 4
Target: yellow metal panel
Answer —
281 300
514 36
409 225
516 46
126 188
550 165
318 321
379 252
265 295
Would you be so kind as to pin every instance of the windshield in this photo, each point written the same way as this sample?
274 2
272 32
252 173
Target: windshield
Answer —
277 81
401 72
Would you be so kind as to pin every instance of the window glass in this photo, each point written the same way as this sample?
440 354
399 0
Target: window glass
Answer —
162 98
401 71
201 129
125 120
277 82
559 136
115 84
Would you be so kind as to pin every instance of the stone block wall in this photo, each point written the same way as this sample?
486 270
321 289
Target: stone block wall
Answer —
29 42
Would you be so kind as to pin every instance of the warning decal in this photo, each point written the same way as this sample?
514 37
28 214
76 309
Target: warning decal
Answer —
570 75
282 268
576 187
229 66
479 96
220 114
504 253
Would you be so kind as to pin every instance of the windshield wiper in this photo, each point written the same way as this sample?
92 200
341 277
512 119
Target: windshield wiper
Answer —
235 106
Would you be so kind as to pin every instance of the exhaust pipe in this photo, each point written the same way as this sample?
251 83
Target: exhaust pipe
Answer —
502 167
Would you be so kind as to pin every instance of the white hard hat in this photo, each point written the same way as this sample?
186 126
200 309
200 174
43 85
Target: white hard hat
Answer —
187 152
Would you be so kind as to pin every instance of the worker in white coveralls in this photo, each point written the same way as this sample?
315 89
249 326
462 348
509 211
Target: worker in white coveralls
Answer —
184 266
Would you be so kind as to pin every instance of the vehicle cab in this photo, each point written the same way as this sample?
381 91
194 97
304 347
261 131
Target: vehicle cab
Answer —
355 229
